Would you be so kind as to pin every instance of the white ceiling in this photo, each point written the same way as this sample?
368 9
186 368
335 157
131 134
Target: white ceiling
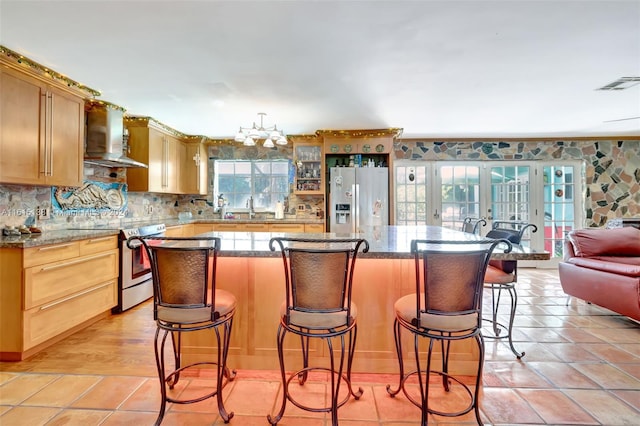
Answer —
434 68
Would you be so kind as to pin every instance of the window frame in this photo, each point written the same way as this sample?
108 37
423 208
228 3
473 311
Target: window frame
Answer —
237 199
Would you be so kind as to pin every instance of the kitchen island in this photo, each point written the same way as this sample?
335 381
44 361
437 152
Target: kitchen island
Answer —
254 274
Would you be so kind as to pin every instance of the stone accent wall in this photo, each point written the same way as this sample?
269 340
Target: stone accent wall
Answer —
612 179
612 167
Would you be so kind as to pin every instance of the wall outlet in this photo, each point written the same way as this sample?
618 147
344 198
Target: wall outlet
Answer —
44 213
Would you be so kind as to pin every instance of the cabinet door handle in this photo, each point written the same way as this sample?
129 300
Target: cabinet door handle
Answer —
165 162
50 96
74 262
74 296
59 246
44 111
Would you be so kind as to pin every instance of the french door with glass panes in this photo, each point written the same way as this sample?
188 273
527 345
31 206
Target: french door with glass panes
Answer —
444 193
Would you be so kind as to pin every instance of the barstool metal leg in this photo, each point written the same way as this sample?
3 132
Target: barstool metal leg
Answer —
304 343
159 354
275 419
398 342
514 305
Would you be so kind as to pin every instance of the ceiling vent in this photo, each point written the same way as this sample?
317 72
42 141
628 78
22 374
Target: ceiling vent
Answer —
621 83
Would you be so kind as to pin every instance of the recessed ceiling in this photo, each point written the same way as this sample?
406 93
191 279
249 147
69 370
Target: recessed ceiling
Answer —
433 68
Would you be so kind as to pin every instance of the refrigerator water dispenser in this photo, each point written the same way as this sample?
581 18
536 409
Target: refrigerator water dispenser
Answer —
343 213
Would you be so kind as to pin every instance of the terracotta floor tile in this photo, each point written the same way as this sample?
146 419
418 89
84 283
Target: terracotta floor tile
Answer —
72 417
577 335
109 393
176 418
562 411
582 366
119 418
28 416
6 376
610 353
608 376
20 388
252 398
397 408
631 369
516 374
506 406
604 407
633 348
363 409
542 335
63 391
570 352
631 397
199 387
310 394
145 398
562 375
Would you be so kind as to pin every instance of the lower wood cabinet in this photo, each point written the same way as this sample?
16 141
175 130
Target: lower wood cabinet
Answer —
286 227
186 230
240 226
48 292
258 284
314 228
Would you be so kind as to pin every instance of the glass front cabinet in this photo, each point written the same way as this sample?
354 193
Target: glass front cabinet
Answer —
309 176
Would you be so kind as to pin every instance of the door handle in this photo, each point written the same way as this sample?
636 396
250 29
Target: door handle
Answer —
436 215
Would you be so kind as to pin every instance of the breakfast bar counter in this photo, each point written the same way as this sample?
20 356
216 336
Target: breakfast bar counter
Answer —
254 274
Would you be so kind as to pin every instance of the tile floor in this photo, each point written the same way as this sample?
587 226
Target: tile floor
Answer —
582 367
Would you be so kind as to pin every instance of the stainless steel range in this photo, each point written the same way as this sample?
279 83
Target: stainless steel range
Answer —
135 283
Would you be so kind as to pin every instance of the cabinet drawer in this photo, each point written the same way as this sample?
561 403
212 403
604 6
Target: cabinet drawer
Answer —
231 227
48 321
98 244
314 227
46 283
201 228
174 231
286 227
53 253
254 227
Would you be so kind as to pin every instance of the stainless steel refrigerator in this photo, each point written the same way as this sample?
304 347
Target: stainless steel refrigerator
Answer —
358 198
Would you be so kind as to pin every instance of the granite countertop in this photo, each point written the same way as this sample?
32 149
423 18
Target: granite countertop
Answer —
54 237
385 242
66 235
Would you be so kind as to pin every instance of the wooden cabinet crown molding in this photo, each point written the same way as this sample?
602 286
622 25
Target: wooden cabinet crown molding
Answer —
14 60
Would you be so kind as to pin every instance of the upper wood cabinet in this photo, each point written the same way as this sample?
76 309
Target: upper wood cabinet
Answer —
195 169
308 158
41 131
162 151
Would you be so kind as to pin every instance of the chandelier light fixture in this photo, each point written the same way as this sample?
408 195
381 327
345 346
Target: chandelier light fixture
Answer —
249 135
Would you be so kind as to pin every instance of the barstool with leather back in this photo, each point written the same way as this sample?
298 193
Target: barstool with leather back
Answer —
503 275
446 307
185 299
318 281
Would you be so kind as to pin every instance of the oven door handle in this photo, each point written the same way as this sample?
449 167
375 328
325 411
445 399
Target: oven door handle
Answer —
134 244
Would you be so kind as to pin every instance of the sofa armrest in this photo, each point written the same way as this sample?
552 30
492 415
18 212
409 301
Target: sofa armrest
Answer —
568 252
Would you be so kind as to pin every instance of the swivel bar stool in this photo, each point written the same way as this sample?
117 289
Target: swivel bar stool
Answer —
503 275
472 225
446 307
318 280
185 299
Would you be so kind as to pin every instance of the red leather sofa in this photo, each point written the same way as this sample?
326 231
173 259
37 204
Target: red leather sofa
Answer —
602 266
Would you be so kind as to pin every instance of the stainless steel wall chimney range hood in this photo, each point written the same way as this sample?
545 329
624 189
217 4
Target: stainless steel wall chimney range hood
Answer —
105 145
